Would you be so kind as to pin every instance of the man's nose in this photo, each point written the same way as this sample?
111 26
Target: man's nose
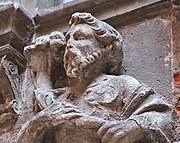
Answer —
72 53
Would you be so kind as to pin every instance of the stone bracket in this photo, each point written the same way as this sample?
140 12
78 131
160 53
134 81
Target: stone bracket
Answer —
12 65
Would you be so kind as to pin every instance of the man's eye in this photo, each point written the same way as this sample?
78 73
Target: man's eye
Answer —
80 37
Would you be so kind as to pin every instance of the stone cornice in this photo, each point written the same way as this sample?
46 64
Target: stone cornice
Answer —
67 9
16 26
112 11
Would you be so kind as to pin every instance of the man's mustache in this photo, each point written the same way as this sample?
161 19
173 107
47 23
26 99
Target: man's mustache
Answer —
77 64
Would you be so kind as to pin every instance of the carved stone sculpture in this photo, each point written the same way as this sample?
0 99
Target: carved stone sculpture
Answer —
44 57
98 105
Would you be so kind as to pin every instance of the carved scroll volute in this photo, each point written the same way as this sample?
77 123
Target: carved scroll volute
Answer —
11 70
10 87
6 95
44 57
12 73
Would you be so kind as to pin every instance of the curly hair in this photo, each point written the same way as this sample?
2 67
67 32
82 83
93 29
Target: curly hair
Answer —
107 36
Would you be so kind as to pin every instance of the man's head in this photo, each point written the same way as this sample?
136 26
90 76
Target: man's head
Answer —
90 40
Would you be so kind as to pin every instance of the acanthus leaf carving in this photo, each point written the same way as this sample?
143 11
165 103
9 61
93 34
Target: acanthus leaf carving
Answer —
15 79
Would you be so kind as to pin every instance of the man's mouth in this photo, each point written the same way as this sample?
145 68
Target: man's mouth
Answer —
75 66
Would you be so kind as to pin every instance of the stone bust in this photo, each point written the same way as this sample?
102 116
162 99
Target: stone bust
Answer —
98 105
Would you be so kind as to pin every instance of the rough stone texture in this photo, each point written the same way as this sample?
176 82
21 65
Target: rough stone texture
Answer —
118 12
176 55
16 26
32 6
16 30
26 92
101 104
147 49
45 59
176 72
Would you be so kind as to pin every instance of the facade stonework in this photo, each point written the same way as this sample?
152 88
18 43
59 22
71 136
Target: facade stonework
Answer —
109 74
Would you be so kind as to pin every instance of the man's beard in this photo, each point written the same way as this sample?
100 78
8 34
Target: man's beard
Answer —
77 65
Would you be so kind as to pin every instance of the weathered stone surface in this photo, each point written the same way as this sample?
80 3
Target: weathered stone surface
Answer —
148 54
176 71
16 26
16 29
45 58
118 12
78 91
101 104
33 6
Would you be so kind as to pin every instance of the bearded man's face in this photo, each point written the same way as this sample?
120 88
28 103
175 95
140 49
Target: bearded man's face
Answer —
81 51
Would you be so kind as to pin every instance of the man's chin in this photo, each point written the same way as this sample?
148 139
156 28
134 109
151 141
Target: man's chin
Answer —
72 76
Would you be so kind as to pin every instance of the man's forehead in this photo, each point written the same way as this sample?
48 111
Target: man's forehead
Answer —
81 28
